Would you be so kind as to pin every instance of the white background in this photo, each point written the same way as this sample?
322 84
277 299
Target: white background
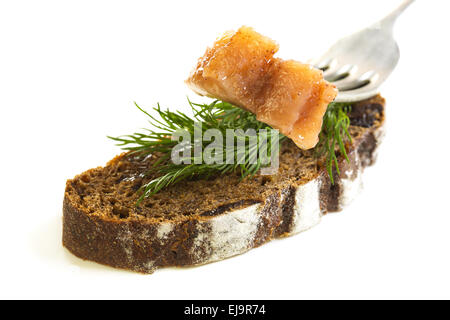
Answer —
69 73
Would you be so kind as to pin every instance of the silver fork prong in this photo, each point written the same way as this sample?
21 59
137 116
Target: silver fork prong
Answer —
341 72
329 67
358 87
367 91
343 83
356 80
324 65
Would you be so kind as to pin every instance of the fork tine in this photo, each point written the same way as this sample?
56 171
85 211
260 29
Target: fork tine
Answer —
342 72
357 79
325 63
331 69
345 82
367 91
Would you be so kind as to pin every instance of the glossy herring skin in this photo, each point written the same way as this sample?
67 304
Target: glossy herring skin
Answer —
288 95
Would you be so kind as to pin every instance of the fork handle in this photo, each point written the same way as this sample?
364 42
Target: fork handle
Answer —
388 21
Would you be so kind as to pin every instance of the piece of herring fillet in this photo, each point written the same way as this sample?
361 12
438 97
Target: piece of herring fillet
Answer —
290 96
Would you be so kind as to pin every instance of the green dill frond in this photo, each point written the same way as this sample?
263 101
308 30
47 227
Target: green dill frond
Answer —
216 115
333 135
222 116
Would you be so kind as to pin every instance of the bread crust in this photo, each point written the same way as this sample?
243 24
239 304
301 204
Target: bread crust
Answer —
147 245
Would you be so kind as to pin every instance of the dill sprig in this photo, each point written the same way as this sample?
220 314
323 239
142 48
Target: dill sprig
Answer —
333 135
222 116
216 115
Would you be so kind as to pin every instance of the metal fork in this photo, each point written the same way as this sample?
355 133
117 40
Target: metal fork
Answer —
358 64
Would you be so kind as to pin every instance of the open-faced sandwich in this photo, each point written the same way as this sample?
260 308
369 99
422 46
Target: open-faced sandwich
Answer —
194 189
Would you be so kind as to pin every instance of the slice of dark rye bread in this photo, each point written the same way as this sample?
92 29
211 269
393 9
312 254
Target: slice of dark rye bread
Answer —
201 221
